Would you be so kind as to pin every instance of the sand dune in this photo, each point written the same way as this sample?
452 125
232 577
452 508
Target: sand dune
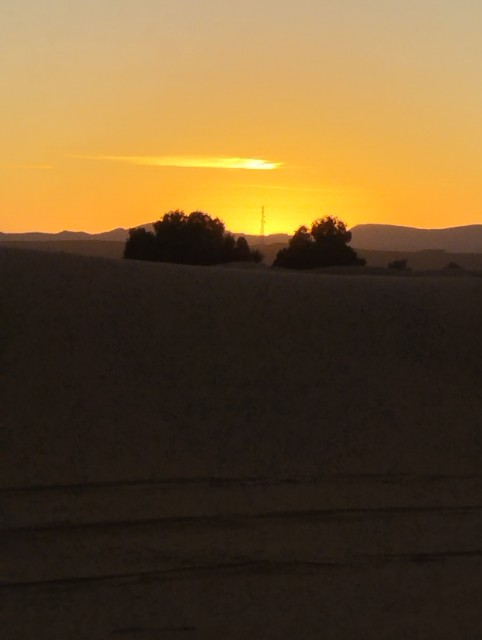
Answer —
95 248
237 453
242 372
377 260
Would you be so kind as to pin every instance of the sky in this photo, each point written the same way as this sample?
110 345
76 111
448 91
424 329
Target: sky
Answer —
113 112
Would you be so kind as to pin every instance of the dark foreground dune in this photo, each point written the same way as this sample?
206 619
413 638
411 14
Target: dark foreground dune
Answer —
224 453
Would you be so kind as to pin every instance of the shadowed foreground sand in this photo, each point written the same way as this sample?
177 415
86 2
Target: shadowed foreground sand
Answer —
224 453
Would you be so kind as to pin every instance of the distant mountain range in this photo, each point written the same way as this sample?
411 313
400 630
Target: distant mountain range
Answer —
116 235
378 237
388 237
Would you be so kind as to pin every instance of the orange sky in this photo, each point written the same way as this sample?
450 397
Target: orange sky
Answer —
114 111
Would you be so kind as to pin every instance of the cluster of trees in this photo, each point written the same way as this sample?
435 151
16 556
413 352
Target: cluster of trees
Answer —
201 240
188 239
324 245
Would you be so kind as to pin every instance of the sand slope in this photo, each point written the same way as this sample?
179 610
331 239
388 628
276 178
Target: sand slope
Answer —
132 370
237 453
95 248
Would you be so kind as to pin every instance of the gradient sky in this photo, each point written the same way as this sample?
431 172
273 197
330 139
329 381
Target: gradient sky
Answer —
115 111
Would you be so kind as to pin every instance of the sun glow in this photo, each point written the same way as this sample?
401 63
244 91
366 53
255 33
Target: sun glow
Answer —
120 131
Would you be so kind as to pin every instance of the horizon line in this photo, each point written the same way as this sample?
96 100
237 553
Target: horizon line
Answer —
274 233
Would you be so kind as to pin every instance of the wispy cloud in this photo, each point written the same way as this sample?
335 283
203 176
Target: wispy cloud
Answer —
42 167
273 187
193 162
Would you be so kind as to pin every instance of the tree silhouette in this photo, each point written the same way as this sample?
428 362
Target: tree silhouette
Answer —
324 245
196 238
141 245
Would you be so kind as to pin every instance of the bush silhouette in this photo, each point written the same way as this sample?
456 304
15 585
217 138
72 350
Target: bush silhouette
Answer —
324 245
401 265
188 239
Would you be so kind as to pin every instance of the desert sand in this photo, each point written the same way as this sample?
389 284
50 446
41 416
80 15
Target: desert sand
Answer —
237 453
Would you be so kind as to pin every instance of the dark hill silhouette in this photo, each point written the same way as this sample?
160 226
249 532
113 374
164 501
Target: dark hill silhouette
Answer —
368 237
100 248
385 237
114 235
417 260
120 235
274 238
38 236
423 260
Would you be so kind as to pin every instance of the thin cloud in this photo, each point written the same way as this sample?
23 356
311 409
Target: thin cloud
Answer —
299 189
193 162
41 167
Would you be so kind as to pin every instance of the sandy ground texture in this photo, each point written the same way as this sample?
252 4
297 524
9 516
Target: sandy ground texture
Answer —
237 453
